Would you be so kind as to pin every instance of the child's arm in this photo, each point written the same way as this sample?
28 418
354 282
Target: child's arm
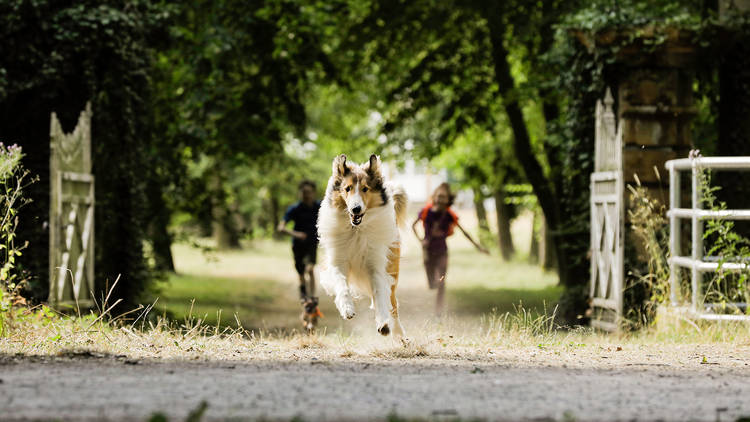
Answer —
414 229
416 233
283 229
481 248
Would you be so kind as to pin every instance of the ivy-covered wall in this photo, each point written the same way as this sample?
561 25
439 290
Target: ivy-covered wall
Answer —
54 56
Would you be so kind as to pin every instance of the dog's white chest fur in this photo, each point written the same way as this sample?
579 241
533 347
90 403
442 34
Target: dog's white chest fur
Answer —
361 249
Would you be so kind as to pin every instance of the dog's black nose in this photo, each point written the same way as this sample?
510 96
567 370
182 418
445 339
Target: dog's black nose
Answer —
356 210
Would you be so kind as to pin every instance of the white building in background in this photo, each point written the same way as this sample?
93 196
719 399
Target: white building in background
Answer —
420 180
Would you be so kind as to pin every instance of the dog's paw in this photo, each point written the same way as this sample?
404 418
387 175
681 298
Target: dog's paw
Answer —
384 329
348 313
345 306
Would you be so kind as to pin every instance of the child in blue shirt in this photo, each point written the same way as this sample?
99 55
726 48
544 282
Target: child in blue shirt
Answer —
304 235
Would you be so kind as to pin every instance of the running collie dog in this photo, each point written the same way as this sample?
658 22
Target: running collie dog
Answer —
358 228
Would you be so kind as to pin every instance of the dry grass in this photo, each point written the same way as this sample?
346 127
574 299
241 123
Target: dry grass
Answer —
508 339
520 337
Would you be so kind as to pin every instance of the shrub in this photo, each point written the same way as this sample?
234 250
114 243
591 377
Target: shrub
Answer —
647 288
12 181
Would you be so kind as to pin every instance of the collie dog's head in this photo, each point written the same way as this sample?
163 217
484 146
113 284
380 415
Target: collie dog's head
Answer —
357 188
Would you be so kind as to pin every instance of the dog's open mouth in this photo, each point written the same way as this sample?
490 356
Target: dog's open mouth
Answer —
356 219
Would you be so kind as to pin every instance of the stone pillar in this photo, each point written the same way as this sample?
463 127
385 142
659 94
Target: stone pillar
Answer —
734 107
655 110
655 107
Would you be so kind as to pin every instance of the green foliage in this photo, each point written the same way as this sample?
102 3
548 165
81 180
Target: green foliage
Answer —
609 14
647 288
56 56
608 27
212 111
230 90
438 65
13 179
727 245
569 148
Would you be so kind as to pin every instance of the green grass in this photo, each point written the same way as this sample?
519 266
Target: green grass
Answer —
481 300
249 300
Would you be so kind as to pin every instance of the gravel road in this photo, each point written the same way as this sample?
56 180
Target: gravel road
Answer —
87 389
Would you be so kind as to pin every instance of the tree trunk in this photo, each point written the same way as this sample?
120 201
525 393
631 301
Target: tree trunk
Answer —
534 247
275 213
521 141
481 211
225 230
504 236
224 226
484 226
547 250
161 239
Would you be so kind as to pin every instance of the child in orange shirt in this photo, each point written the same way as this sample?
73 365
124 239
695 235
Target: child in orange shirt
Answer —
438 221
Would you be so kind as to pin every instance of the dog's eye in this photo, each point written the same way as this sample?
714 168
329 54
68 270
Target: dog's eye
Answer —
348 188
364 189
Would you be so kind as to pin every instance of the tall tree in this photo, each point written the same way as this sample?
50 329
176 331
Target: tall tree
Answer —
231 84
463 59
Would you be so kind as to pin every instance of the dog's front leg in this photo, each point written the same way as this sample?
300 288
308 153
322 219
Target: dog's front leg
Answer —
381 291
334 281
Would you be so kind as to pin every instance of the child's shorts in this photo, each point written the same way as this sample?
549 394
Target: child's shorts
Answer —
304 253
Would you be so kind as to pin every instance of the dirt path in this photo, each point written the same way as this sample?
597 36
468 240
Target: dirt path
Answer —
119 389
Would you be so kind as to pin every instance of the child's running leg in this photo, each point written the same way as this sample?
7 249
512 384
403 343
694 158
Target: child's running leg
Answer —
299 265
429 268
440 269
310 271
302 287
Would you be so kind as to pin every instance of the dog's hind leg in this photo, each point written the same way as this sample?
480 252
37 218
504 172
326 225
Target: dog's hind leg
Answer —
333 280
393 270
398 330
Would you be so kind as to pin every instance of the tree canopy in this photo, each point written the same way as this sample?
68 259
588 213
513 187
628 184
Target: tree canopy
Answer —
201 108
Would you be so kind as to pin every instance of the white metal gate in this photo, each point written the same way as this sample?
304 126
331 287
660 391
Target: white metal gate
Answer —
698 263
606 220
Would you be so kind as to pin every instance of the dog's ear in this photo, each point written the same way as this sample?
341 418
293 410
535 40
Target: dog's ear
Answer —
339 166
373 166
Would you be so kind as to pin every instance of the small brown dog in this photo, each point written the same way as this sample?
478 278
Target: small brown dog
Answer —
310 313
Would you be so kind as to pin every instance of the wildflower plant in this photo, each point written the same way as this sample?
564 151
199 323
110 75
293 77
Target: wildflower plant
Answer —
13 179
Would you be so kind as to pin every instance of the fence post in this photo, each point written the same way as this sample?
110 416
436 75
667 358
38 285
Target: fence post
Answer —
674 231
697 232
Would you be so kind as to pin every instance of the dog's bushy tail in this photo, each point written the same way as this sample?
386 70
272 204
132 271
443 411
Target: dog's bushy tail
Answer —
400 201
